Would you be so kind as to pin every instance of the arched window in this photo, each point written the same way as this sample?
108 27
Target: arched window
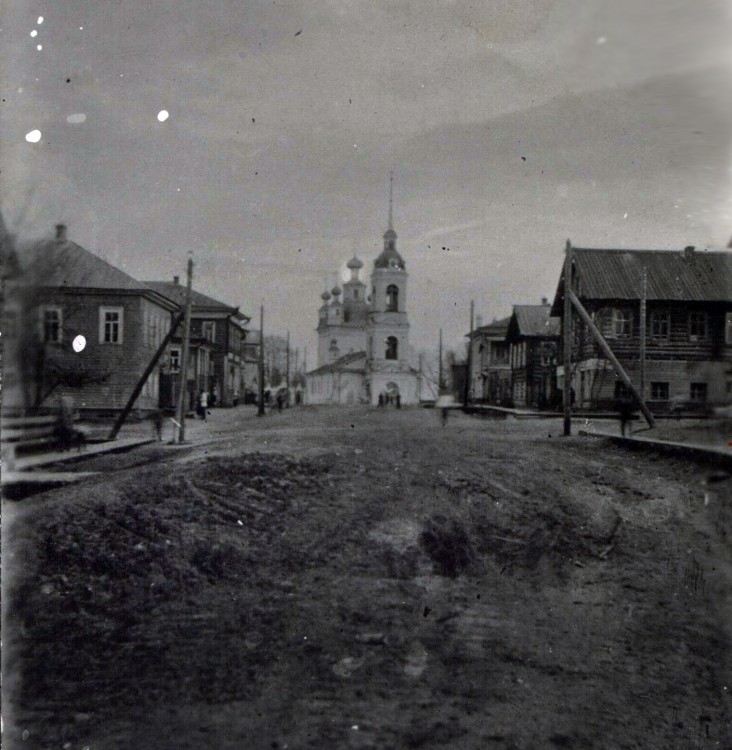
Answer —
392 298
391 348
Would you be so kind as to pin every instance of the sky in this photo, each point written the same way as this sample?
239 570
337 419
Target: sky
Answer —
510 127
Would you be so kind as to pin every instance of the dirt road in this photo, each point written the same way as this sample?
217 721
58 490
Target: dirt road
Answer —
354 578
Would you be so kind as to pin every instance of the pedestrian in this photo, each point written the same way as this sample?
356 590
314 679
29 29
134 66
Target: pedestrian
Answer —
625 413
203 401
381 400
399 401
280 401
157 419
443 415
215 396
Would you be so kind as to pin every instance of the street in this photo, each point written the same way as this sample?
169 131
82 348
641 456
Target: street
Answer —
357 577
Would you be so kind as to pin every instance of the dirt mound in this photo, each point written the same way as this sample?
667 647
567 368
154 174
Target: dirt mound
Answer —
98 615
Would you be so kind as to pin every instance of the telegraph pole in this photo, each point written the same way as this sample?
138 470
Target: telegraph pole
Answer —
182 396
287 370
260 407
469 363
567 341
440 384
642 348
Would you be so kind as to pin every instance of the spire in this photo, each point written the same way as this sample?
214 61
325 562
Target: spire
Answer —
391 200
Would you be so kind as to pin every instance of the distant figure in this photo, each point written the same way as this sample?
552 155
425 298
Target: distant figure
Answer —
280 401
381 400
443 416
398 401
235 397
215 396
203 404
157 419
625 413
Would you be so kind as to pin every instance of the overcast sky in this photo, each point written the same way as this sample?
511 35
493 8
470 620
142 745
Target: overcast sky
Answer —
511 125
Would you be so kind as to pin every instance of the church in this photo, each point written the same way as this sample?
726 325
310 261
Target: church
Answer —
363 336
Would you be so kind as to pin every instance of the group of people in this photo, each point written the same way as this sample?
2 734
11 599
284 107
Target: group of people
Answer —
385 399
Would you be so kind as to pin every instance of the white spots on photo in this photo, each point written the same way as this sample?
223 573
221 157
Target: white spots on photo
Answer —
40 20
163 115
39 47
79 343
33 137
34 33
601 40
76 118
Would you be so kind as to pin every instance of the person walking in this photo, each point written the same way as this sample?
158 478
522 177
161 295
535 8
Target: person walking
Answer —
625 413
203 401
381 400
399 401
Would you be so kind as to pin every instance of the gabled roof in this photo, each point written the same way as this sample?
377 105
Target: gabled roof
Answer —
532 320
54 263
199 302
677 275
340 364
497 328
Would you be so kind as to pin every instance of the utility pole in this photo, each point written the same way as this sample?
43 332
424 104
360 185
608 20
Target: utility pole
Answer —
183 395
287 371
642 347
567 340
469 363
440 384
260 407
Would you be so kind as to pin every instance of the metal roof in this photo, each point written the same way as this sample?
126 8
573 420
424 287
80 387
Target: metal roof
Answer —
496 328
533 320
686 275
199 302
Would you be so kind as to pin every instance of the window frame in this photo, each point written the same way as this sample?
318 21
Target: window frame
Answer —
702 316
392 298
103 311
703 387
59 324
392 348
661 385
664 317
622 316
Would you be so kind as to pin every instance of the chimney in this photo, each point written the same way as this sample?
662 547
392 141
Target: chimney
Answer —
176 280
60 232
689 252
478 321
544 301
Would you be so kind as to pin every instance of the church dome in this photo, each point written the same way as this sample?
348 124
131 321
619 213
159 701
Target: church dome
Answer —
335 291
390 258
354 263
325 296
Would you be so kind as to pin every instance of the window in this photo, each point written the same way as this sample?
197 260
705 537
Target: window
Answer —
728 328
175 360
51 322
208 330
391 348
392 298
660 324
621 390
622 322
659 391
111 322
697 325
698 392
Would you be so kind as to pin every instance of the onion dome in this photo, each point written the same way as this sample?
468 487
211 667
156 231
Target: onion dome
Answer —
354 263
336 290
325 296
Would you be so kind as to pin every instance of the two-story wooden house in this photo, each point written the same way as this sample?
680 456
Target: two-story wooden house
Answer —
82 329
532 336
687 296
224 328
490 369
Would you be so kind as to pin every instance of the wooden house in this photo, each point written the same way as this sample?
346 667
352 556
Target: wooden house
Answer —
490 368
218 336
81 329
532 336
687 296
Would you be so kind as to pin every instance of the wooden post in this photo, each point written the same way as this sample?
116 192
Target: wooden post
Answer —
469 363
260 407
182 409
440 383
642 347
567 341
611 356
145 375
287 371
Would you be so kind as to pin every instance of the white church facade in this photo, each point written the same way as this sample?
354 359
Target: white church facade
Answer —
363 336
